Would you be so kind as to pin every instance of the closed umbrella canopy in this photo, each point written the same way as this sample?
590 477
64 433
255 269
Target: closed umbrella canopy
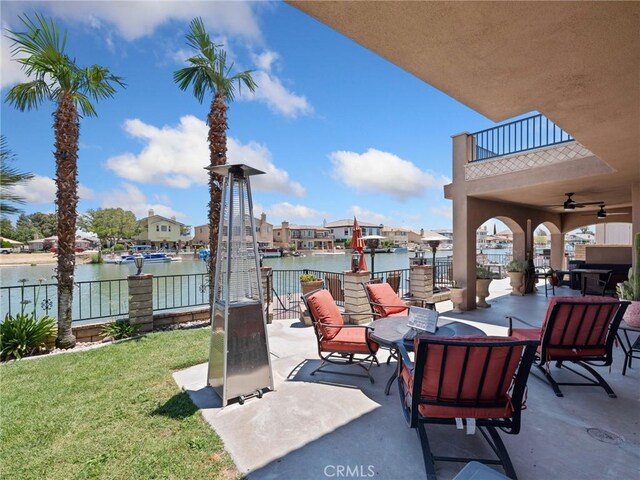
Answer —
357 245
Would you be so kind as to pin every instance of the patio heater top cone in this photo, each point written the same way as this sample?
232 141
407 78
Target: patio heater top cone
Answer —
239 362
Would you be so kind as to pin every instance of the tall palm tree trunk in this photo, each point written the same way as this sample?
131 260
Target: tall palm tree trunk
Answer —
67 131
217 121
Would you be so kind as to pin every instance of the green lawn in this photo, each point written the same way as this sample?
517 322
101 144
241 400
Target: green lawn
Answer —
113 412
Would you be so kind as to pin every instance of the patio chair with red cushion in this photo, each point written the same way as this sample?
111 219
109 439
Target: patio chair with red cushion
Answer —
577 330
338 343
384 301
478 381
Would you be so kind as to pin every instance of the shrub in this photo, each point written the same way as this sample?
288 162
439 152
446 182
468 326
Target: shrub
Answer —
119 329
118 247
25 334
309 277
96 258
517 266
483 272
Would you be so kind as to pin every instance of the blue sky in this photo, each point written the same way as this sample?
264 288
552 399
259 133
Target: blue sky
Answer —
339 130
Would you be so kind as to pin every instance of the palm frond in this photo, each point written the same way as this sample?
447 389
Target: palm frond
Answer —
98 83
25 96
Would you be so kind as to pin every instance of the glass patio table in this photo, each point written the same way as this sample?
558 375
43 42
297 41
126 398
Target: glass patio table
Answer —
390 331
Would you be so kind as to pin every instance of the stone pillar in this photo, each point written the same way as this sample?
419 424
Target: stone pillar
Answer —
355 298
421 282
557 251
141 301
267 291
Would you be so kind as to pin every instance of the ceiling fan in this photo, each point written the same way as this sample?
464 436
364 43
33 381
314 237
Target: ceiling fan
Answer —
571 204
602 213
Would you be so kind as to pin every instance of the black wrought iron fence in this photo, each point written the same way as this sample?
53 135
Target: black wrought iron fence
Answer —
517 136
443 271
180 291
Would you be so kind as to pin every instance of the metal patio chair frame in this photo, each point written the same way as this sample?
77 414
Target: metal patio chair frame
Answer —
374 305
340 356
509 395
586 343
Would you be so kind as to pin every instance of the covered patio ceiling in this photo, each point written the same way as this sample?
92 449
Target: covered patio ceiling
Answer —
578 63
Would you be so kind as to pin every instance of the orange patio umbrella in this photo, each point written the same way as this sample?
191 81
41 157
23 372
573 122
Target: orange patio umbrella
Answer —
357 245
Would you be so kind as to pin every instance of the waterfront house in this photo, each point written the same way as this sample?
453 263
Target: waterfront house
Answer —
303 237
343 229
402 237
162 232
264 232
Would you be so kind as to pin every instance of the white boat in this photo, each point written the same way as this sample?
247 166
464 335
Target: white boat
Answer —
323 252
157 257
270 252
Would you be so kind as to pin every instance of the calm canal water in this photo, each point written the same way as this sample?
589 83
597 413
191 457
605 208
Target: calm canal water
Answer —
329 263
189 264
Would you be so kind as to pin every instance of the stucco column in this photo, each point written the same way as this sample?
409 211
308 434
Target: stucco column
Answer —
635 215
464 225
355 298
141 301
557 251
520 245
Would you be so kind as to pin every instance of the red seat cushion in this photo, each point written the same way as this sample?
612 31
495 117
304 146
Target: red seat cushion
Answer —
349 340
440 384
383 294
323 309
579 323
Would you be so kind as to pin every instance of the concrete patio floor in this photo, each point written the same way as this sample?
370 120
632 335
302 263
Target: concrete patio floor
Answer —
337 426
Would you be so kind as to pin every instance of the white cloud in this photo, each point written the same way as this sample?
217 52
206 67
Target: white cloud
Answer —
265 60
443 211
138 19
85 193
37 190
370 216
292 212
176 157
377 171
130 197
41 190
258 156
11 71
273 93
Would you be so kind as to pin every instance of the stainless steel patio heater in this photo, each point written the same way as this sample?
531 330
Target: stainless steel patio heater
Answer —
239 362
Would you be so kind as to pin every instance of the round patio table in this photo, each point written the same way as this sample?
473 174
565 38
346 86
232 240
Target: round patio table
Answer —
390 331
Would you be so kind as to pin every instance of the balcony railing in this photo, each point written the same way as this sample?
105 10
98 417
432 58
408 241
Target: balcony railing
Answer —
517 136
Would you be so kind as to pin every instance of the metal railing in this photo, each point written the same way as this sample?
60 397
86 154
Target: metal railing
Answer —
287 290
517 136
442 273
100 299
180 291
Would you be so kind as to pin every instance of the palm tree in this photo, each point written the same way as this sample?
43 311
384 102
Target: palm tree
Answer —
56 77
10 177
208 71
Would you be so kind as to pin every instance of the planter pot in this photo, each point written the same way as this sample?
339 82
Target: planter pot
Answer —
456 295
482 291
308 287
516 282
632 315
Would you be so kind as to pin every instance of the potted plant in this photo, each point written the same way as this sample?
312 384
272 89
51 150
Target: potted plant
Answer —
516 270
309 282
483 280
630 289
456 295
